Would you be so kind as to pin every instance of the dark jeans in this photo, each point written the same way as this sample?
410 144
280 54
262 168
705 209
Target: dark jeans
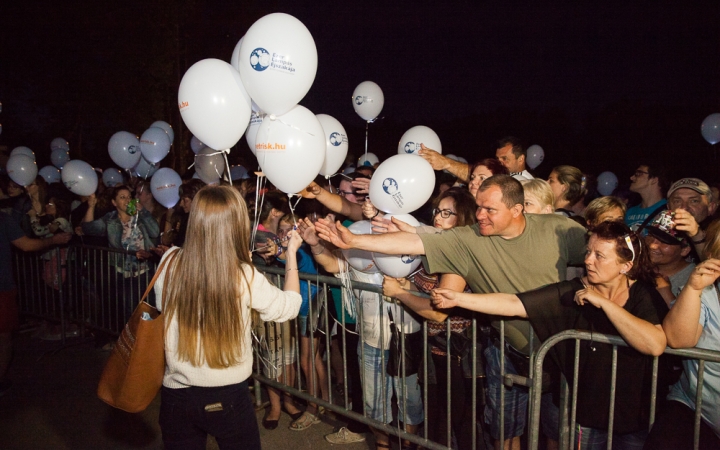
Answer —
674 429
188 415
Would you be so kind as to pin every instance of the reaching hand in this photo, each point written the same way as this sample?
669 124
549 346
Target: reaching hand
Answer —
369 210
392 225
312 191
335 233
295 241
684 221
705 274
92 200
361 185
436 160
443 298
307 231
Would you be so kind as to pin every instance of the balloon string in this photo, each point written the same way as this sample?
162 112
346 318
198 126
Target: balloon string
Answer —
367 126
227 166
259 199
292 208
291 126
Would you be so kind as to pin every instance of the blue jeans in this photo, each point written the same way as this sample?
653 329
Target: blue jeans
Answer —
188 415
516 398
377 382
594 439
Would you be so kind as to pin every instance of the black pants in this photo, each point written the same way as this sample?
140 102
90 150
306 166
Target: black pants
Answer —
188 415
674 430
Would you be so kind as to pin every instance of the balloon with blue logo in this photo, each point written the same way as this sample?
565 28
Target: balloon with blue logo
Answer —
607 182
291 149
278 62
59 143
166 127
22 169
402 184
398 266
165 187
710 128
360 260
124 149
213 103
51 174
144 169
22 150
336 144
210 165
256 119
79 177
368 100
413 138
59 157
154 144
369 159
238 173
112 177
535 155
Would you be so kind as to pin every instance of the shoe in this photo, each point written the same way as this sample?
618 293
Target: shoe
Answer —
270 424
304 422
344 436
295 416
5 386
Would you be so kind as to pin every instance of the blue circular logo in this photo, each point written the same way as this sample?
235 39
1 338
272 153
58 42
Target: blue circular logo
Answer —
336 139
133 149
359 100
407 259
409 147
260 59
390 186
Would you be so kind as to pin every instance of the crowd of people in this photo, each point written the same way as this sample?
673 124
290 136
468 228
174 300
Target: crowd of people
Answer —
496 242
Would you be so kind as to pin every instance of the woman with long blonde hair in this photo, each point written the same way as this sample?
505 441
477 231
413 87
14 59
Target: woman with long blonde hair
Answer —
212 286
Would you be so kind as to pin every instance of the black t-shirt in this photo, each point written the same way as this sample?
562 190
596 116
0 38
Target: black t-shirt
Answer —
551 309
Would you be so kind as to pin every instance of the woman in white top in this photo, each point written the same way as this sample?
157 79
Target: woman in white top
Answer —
208 350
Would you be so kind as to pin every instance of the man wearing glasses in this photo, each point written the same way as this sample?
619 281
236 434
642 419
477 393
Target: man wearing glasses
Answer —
650 182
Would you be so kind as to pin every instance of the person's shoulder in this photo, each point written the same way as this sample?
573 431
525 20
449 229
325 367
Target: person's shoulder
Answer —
552 220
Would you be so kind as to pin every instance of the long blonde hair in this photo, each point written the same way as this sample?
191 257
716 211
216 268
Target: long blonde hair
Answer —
208 288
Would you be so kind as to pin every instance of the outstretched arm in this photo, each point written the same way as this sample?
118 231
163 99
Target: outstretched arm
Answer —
321 254
422 306
496 304
440 162
333 202
400 243
682 324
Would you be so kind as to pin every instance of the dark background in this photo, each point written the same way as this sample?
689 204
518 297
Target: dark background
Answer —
601 85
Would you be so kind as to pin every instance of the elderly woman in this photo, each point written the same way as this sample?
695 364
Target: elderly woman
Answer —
130 228
616 297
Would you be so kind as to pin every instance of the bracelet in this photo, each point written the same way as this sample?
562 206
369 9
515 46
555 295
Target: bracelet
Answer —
701 241
318 253
287 269
376 214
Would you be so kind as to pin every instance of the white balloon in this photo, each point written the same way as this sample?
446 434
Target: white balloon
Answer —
710 128
112 177
79 177
535 156
398 266
209 165
235 58
402 184
414 137
124 149
278 62
154 144
196 144
213 103
291 149
256 119
59 143
238 173
336 144
368 159
50 173
144 169
23 151
165 187
21 169
59 157
165 127
606 183
368 100
360 259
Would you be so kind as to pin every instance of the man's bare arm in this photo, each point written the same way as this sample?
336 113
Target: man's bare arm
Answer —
400 243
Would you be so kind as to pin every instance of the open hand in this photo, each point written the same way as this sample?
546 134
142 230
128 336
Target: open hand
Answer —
436 160
334 233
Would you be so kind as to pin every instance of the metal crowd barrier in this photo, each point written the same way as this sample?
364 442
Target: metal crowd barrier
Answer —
94 296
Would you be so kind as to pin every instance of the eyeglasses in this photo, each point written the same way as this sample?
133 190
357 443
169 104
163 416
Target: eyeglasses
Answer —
444 213
346 193
639 173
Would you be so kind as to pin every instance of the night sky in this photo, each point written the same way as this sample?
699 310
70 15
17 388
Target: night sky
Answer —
599 85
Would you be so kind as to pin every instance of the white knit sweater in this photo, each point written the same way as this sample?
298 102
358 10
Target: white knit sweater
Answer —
272 303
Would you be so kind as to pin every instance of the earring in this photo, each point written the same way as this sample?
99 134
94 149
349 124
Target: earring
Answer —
623 272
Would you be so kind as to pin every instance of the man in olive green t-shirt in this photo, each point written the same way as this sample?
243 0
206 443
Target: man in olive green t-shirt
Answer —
506 251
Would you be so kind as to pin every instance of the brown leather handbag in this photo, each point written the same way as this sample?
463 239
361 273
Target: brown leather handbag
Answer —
134 372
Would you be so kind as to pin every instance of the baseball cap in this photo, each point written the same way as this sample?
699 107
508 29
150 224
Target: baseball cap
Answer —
663 229
696 184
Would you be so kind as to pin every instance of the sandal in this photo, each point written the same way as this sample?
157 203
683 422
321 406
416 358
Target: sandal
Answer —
305 421
295 416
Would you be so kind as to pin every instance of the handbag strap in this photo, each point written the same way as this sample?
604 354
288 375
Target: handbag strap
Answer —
157 273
